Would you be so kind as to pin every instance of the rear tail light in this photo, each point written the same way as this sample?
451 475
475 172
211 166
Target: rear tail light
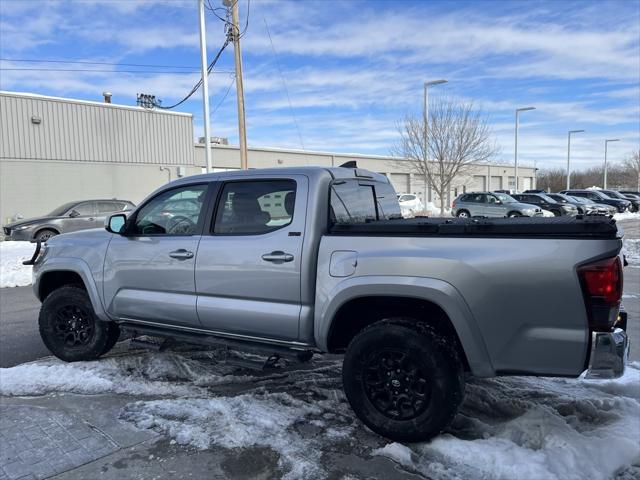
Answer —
602 289
453 204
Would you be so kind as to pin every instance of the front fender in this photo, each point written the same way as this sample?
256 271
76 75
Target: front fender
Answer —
439 292
76 265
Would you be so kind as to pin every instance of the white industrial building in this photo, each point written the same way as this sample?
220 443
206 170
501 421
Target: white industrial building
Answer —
55 150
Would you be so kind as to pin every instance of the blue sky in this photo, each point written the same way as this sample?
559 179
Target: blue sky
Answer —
353 69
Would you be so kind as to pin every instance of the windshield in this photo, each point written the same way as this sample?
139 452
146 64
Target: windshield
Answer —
61 209
504 198
547 198
614 195
583 200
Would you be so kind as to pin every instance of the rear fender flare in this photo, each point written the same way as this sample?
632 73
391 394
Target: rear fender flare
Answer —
439 292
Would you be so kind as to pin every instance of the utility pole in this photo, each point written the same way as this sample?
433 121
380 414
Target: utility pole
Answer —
606 142
425 113
518 110
569 156
205 86
234 33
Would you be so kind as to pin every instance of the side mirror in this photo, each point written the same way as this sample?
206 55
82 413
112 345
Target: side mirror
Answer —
115 223
74 213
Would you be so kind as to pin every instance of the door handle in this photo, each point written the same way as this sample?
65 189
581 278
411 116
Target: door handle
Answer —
277 256
181 254
91 219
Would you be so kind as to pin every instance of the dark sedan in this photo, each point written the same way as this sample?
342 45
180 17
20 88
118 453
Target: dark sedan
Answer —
547 203
635 202
69 217
599 197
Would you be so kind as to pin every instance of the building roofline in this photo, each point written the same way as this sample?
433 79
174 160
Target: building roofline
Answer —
364 156
38 96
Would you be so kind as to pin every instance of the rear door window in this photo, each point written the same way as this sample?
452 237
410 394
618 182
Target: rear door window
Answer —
255 207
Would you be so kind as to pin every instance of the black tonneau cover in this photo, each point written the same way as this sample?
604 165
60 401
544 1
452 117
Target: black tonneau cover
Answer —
527 227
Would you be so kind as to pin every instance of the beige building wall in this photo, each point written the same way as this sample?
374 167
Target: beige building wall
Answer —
34 188
482 177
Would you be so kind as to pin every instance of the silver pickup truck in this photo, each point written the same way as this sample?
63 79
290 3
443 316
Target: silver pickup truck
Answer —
293 261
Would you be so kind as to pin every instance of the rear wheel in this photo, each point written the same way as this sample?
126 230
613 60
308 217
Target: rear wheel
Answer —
70 329
403 381
44 235
463 214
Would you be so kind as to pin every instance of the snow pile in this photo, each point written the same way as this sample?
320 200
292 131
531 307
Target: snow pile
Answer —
12 272
631 250
528 428
166 374
264 420
627 216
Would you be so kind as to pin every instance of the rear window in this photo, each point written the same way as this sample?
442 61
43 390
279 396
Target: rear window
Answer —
388 206
353 202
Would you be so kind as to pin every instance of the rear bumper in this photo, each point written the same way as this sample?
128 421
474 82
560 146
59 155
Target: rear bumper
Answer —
609 354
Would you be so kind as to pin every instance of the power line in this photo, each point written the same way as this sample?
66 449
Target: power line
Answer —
224 96
197 85
107 71
83 62
275 54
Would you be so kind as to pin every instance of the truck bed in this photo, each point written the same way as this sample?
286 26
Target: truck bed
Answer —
526 227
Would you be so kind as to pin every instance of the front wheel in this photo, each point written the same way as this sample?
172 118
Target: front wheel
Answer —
404 382
70 329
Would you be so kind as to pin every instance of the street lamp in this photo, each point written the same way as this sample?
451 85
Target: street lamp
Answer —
606 142
425 112
518 110
569 157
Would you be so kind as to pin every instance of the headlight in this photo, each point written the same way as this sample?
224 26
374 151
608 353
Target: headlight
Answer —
21 227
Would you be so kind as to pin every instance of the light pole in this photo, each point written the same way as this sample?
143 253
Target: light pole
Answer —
205 86
606 142
425 113
569 157
518 110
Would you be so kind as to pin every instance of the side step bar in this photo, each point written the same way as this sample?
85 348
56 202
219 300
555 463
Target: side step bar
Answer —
203 339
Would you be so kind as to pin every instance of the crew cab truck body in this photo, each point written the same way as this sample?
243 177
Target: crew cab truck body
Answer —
318 260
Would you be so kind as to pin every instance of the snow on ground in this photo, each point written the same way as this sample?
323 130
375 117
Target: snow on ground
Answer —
627 216
631 250
139 374
12 272
508 428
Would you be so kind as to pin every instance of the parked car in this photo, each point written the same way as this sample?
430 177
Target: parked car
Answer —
537 190
599 197
410 204
69 217
635 202
593 208
547 203
491 204
567 200
633 198
631 192
415 305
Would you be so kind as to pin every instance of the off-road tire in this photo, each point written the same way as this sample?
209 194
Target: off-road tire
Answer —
437 371
70 329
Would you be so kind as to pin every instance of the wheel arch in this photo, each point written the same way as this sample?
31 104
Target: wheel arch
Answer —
45 227
58 272
433 300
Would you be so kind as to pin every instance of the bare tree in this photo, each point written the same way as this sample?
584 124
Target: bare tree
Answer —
632 164
457 137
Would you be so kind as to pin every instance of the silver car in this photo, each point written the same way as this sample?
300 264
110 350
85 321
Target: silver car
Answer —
491 204
70 217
